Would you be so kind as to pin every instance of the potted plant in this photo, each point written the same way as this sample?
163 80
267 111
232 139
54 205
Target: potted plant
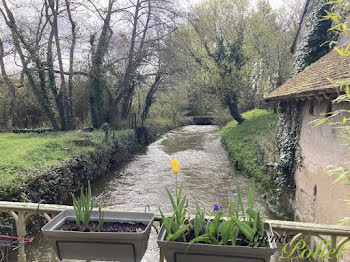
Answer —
85 234
238 235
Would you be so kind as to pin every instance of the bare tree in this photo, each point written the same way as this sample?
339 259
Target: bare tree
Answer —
147 16
22 45
11 88
113 72
71 57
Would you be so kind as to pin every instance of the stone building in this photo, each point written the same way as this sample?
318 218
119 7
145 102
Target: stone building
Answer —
306 98
316 199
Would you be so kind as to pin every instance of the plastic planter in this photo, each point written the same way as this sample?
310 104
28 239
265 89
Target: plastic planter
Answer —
106 246
178 252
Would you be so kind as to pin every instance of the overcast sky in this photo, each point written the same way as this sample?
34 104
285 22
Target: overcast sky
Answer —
274 3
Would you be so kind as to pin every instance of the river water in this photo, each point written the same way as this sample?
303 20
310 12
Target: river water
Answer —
205 172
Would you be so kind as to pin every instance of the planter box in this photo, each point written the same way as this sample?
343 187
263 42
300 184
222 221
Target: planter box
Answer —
107 246
176 251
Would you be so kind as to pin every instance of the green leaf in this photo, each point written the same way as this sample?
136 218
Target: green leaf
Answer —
251 196
245 229
165 222
198 221
343 221
171 200
178 233
179 194
234 235
239 200
202 238
341 176
225 229
183 215
214 226
180 207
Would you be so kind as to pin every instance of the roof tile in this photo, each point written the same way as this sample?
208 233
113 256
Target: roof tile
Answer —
314 78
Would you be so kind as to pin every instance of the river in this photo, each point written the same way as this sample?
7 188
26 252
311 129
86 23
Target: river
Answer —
205 172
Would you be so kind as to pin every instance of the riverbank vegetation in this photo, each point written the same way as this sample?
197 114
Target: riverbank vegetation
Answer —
59 160
20 152
250 146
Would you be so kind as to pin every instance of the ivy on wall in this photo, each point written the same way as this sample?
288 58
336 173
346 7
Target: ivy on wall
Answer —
311 48
288 148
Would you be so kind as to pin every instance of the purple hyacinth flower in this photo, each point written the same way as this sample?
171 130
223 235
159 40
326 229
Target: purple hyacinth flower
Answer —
216 207
218 195
229 194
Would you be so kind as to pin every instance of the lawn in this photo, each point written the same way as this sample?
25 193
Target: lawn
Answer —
22 152
250 146
253 140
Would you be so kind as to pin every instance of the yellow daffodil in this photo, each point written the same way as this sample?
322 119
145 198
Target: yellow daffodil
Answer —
175 166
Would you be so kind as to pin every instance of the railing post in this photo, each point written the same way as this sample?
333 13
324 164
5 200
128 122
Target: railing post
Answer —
21 232
333 246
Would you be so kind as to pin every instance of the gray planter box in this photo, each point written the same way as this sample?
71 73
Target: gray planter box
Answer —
106 246
176 251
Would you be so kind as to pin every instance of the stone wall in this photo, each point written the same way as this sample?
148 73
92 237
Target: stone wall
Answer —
317 199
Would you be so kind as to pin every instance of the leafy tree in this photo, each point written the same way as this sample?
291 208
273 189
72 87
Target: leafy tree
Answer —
270 35
238 52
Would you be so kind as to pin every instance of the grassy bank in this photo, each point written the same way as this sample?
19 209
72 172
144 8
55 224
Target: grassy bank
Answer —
24 156
250 146
20 152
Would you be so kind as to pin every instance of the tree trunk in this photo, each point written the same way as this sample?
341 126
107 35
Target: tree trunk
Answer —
96 83
232 102
63 90
52 82
71 62
149 97
135 55
11 88
128 101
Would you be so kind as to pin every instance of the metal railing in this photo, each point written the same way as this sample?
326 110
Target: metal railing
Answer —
338 235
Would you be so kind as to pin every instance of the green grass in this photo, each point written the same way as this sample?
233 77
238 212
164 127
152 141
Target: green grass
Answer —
20 153
250 146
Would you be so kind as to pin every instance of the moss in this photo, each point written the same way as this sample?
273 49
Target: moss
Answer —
55 182
250 146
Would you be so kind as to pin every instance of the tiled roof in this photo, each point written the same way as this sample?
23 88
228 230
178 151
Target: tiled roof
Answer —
313 79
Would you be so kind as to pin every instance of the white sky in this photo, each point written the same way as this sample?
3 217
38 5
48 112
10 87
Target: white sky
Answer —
274 3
